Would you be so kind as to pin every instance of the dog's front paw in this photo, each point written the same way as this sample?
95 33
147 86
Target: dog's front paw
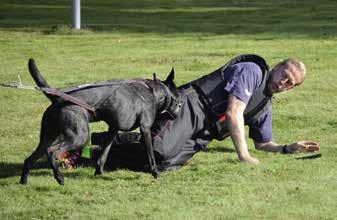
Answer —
98 171
155 173
23 180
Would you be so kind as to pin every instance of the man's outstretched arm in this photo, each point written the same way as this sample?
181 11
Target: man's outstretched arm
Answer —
301 146
235 125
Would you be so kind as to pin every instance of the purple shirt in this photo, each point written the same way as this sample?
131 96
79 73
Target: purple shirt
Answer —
243 80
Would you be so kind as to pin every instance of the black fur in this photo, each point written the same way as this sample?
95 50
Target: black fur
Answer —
124 105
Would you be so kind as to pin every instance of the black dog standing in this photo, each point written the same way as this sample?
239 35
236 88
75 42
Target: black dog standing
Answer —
123 104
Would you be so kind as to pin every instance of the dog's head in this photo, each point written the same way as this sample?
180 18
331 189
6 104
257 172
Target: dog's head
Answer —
173 100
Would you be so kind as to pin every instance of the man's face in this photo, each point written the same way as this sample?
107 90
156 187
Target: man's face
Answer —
283 78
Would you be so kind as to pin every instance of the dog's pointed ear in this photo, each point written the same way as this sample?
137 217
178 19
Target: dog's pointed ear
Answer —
170 77
154 77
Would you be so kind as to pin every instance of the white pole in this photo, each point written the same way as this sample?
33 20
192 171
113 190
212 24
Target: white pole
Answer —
76 14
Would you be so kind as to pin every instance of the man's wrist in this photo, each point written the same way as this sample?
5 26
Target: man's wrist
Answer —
284 149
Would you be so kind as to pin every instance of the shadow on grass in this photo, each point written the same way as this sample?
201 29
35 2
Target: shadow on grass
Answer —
8 169
14 169
120 177
190 16
221 149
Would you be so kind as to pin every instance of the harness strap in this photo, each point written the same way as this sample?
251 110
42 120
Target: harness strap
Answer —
67 97
102 84
62 94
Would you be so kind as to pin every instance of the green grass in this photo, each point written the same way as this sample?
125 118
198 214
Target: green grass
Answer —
129 39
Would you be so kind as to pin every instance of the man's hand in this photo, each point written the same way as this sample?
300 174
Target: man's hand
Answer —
235 125
250 159
303 146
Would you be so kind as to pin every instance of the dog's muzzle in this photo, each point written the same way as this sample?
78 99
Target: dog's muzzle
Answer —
175 107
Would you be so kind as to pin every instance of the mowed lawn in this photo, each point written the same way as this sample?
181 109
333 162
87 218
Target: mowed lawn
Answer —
132 39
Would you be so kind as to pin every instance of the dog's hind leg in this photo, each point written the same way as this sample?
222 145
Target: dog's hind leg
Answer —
106 149
74 125
37 154
146 132
29 162
47 137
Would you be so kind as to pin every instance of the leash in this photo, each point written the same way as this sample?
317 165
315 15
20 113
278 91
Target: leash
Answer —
18 85
51 91
62 93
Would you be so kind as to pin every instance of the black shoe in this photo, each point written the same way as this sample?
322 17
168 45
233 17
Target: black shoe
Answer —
99 138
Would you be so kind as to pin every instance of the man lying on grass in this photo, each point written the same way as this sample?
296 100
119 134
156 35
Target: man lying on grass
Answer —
216 106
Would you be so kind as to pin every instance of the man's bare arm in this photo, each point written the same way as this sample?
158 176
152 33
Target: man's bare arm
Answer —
301 146
235 124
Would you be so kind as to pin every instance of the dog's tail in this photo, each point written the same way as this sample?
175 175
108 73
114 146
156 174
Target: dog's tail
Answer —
39 80
35 73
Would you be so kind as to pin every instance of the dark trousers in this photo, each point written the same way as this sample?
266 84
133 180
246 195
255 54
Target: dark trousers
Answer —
174 141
